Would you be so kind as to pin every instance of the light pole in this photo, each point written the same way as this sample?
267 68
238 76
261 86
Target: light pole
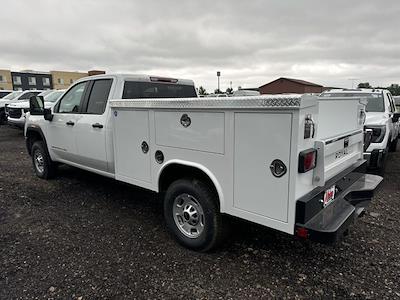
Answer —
352 81
218 75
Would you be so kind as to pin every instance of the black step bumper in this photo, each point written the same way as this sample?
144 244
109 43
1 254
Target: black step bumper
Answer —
328 224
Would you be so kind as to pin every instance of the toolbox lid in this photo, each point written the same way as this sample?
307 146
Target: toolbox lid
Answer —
268 102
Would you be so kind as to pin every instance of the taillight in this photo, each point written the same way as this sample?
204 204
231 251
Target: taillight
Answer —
307 160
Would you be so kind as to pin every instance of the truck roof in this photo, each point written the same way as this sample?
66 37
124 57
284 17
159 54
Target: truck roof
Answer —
352 91
140 77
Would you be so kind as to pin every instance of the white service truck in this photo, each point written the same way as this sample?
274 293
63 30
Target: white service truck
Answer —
288 162
382 120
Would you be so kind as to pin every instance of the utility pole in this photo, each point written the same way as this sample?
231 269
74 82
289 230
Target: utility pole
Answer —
218 75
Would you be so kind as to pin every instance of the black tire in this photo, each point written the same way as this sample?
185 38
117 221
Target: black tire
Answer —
214 228
46 168
3 117
381 170
393 146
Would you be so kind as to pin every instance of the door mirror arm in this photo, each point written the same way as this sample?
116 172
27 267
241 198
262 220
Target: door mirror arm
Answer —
47 114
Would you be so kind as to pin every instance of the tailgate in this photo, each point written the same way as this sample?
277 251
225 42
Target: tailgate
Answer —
336 154
340 138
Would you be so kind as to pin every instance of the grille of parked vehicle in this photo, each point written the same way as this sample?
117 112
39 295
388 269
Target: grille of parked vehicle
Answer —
14 112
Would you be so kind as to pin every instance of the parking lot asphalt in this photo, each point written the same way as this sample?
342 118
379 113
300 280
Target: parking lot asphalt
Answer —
82 236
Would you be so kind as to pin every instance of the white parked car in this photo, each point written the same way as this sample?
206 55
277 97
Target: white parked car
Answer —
9 99
382 118
18 110
289 162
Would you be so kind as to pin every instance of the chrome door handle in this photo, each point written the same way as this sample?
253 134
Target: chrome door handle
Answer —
70 123
97 125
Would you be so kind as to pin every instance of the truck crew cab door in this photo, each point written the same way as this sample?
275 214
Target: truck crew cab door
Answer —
61 130
92 126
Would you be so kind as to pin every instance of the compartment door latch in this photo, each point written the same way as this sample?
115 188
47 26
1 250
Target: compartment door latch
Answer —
278 168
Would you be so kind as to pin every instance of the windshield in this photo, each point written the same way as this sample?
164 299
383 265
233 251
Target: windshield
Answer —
53 97
45 93
12 95
375 101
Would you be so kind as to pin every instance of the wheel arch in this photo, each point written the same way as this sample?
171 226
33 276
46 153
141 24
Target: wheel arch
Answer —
32 135
171 171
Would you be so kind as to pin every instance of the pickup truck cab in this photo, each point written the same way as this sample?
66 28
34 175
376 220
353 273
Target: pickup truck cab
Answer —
274 160
382 119
18 110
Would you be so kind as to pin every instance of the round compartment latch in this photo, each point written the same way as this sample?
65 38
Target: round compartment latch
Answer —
278 168
159 156
185 120
145 147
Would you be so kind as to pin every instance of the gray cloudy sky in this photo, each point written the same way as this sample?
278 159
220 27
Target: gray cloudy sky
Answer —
250 42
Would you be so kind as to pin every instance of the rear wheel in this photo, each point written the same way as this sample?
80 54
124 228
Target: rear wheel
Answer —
43 165
192 216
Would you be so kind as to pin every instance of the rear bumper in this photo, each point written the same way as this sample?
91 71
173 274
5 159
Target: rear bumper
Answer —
355 190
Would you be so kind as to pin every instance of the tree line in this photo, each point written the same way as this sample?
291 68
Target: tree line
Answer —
394 88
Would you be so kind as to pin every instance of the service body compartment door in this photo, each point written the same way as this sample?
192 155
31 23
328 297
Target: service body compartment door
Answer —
132 163
261 138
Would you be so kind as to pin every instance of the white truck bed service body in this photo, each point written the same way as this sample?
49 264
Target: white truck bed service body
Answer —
234 141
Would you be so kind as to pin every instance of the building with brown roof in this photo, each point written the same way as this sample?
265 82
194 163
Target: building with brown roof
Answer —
285 85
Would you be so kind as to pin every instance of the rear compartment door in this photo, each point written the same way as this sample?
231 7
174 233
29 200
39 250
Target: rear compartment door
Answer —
261 138
131 146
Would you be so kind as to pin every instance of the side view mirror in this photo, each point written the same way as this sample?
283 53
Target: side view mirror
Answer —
396 117
36 108
36 105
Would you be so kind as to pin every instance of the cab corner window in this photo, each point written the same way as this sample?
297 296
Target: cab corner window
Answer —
72 100
98 96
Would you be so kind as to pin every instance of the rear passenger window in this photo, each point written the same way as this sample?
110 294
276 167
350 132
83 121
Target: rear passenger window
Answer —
99 96
138 90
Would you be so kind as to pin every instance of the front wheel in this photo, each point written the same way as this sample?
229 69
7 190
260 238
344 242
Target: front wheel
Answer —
393 146
43 165
192 216
3 117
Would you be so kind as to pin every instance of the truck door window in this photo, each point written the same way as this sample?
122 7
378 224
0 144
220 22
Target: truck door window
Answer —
137 90
99 96
71 101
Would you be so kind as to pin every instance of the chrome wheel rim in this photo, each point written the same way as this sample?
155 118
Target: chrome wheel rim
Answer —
188 216
39 161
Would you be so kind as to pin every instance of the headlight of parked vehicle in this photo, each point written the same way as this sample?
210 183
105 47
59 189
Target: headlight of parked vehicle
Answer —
378 133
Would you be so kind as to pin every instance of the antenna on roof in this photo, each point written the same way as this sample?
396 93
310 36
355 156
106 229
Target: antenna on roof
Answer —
352 81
